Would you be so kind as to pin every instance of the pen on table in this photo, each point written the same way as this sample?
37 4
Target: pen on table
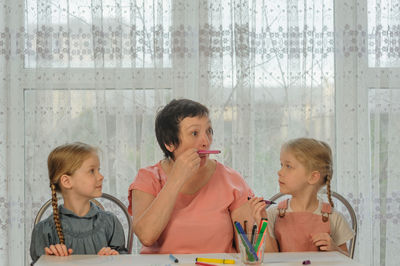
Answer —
173 258
205 264
223 261
253 232
268 202
208 151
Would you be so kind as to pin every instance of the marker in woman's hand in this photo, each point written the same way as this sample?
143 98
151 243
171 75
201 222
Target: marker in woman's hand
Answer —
208 151
268 202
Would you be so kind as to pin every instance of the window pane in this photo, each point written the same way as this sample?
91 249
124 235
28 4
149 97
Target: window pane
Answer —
383 33
103 33
104 118
281 59
119 122
384 110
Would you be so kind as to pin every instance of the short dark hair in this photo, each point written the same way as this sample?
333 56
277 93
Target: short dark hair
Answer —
168 120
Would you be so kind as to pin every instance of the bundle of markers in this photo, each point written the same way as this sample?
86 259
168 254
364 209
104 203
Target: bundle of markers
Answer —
253 246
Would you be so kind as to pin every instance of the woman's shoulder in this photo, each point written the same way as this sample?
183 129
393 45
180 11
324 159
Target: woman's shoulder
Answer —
150 174
149 179
226 170
231 178
152 170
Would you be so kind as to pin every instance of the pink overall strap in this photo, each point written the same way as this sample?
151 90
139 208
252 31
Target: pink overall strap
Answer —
282 207
326 210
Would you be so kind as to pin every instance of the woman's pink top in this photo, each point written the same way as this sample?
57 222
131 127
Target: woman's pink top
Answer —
201 222
293 230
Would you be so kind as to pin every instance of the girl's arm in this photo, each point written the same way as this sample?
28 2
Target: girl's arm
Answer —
271 245
40 244
37 242
325 243
106 251
152 214
115 238
58 250
257 207
240 215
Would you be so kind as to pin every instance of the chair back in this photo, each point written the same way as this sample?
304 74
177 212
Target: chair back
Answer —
108 197
353 218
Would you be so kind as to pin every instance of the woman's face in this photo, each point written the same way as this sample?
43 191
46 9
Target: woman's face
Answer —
194 132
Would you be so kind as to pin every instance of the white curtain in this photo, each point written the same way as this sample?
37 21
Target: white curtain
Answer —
97 72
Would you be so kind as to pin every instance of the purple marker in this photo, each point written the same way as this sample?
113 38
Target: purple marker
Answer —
268 202
306 262
208 151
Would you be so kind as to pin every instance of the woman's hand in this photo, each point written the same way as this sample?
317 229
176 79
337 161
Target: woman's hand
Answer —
257 208
106 251
58 250
185 166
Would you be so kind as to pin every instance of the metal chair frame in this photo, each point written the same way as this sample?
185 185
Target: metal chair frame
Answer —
351 211
108 197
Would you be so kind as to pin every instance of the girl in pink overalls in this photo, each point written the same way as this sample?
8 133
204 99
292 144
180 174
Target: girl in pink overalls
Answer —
304 222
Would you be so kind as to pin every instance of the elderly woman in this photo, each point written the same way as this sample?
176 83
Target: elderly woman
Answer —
187 202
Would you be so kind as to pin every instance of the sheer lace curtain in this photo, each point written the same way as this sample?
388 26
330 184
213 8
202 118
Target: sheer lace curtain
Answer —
97 72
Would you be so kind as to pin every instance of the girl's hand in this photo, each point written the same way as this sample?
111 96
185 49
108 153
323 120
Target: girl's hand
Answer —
257 208
106 251
324 242
58 250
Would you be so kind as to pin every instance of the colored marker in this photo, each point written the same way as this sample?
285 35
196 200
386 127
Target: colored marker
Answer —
223 261
253 232
245 240
173 258
205 264
306 262
261 222
268 202
261 237
208 151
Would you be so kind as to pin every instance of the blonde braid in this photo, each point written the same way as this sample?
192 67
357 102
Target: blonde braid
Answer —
54 203
328 189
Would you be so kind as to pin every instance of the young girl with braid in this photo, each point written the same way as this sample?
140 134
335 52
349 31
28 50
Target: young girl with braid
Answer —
78 226
304 222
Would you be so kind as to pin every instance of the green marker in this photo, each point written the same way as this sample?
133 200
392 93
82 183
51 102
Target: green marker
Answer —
261 233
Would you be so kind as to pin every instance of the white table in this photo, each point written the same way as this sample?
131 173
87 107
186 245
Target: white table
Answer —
278 259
